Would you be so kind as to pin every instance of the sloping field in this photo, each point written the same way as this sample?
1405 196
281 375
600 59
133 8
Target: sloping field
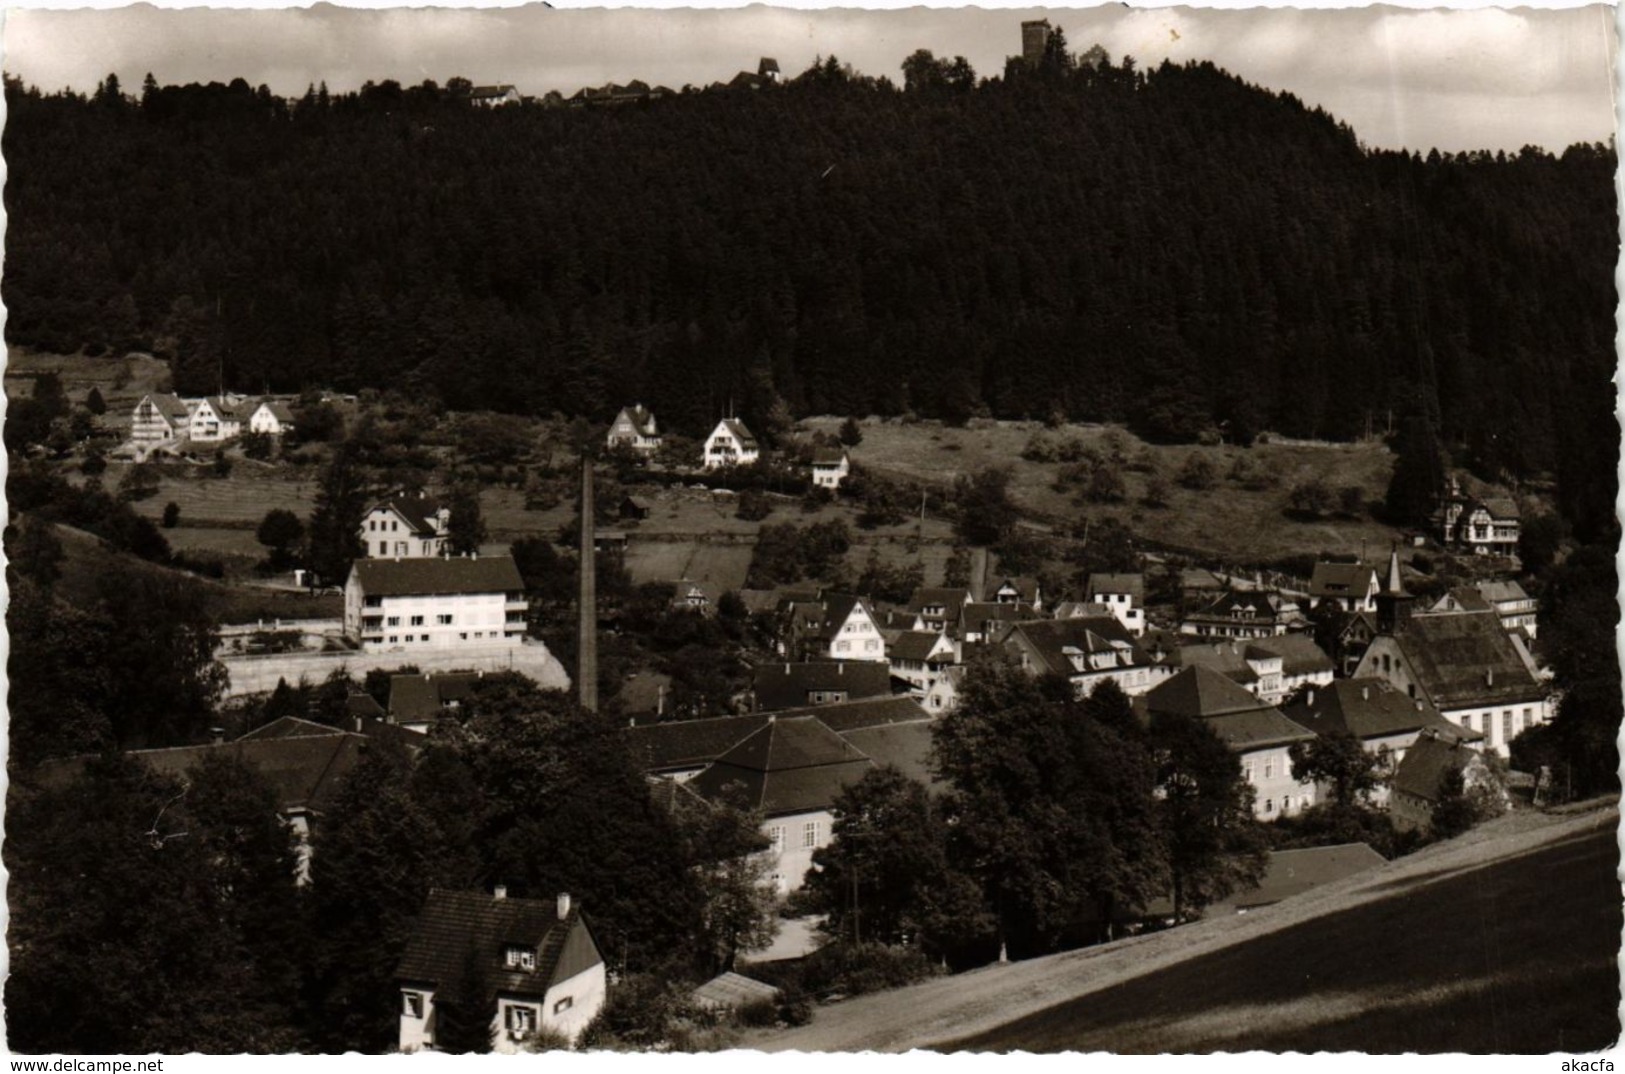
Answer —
1228 519
1505 940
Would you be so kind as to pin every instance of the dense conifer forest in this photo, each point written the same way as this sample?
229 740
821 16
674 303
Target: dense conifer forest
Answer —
1172 248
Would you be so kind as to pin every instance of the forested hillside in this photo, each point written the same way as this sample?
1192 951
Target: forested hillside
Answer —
1174 249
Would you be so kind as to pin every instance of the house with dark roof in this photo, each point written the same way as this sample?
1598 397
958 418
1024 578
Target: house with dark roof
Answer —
409 605
837 626
1024 592
1517 609
1467 667
981 621
1271 668
1417 784
215 418
1385 720
1257 733
271 418
532 962
1351 587
730 991
1123 594
1486 525
791 769
158 417
821 682
417 701
1086 652
635 508
938 606
493 96
920 658
730 444
830 467
405 527
1242 614
634 427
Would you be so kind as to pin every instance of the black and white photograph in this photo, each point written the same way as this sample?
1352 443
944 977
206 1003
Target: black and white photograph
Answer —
811 530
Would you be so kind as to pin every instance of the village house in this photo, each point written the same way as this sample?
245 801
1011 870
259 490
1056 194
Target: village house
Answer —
271 418
634 508
730 444
160 417
1023 592
1124 594
417 701
1385 720
823 682
838 626
1243 614
979 620
692 596
215 418
1257 733
1270 668
405 527
1486 526
1517 609
634 427
1350 587
536 962
920 658
830 467
494 96
1086 652
938 607
1417 784
415 604
793 768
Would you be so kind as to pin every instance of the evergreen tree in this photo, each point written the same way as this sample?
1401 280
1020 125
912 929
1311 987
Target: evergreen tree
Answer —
465 530
335 520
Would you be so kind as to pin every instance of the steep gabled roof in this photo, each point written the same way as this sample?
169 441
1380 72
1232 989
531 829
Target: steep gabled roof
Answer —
745 437
416 698
790 765
975 617
417 511
1466 659
169 405
453 923
1077 609
1256 730
410 577
1343 580
1367 708
948 597
1463 598
1051 639
1132 584
779 686
829 456
1298 652
1497 592
1202 693
1262 604
641 418
1426 762
916 645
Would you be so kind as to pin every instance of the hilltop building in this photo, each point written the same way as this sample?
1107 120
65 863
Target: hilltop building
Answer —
405 527
634 427
730 444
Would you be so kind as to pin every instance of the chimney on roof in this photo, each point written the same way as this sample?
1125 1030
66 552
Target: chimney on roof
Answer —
840 667
564 905
217 735
1310 700
356 723
500 891
1365 693
1418 704
1489 676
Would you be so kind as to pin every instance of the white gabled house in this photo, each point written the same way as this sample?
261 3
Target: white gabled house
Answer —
830 466
730 444
158 417
408 605
635 427
215 418
271 418
1124 595
405 527
536 960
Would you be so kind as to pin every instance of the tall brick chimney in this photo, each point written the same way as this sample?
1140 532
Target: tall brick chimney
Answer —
587 650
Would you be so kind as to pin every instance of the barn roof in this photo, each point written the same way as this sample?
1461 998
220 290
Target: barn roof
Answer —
1466 659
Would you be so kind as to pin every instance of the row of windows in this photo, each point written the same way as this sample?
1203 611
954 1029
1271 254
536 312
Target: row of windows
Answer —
1512 724
846 646
378 526
809 836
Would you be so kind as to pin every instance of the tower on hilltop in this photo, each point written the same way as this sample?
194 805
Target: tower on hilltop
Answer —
1034 36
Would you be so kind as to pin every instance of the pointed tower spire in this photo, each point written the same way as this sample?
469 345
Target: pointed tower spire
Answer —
1393 603
587 649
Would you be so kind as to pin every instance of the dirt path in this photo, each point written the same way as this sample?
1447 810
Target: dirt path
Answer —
954 1008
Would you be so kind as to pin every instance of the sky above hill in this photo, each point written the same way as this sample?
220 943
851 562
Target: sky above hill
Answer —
1453 79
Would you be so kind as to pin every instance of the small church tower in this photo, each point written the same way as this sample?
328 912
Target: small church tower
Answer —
1393 603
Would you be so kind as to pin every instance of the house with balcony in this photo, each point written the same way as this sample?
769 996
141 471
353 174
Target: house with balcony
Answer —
413 605
533 963
215 418
730 444
1485 525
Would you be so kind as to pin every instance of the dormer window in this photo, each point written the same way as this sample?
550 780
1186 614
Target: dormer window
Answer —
519 957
